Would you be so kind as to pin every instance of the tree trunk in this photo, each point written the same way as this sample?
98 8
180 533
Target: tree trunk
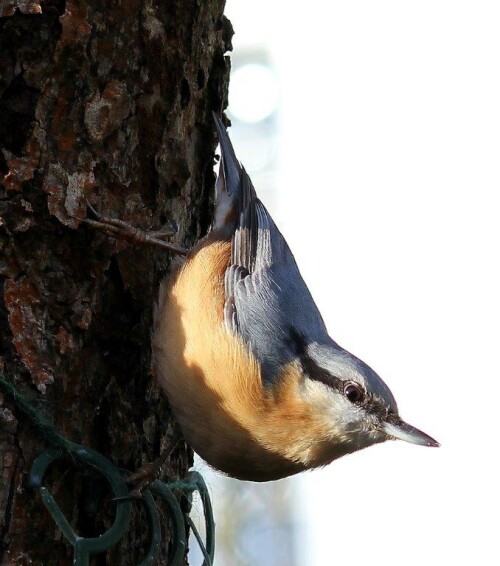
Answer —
107 103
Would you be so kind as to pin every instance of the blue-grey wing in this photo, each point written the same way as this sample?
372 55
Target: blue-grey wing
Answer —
267 301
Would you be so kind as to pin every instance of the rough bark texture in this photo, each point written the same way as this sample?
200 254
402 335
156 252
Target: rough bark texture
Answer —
106 102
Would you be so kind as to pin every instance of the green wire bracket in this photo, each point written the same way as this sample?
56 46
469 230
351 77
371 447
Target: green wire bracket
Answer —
84 547
194 483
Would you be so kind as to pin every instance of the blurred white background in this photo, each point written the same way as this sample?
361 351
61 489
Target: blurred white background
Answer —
383 145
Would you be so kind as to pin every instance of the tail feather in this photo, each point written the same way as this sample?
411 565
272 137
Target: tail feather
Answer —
230 168
234 190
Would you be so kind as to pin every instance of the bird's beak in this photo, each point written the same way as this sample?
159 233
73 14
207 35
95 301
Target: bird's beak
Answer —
395 427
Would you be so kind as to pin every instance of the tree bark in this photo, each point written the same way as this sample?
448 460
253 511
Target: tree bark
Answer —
107 103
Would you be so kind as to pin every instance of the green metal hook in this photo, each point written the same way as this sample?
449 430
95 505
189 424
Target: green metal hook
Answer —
84 547
209 548
163 491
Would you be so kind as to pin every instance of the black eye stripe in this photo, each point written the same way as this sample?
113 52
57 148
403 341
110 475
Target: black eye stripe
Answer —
317 373
352 391
298 344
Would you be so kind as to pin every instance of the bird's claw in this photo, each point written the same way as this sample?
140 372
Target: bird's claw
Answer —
142 478
122 230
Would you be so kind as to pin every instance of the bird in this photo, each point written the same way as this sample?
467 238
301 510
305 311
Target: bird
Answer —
259 388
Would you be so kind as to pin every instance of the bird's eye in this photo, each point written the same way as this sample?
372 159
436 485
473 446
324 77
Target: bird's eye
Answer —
353 392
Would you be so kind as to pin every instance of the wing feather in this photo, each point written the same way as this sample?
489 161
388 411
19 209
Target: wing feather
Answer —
266 297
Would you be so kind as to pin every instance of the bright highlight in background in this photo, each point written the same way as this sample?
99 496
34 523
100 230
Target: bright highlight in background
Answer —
388 196
253 92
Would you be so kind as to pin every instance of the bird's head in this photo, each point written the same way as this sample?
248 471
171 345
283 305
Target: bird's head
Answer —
358 407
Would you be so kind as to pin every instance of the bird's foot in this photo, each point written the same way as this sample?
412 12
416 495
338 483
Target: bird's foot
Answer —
122 230
142 478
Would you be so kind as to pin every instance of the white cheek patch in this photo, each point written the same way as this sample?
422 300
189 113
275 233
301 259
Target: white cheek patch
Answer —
316 393
345 421
326 402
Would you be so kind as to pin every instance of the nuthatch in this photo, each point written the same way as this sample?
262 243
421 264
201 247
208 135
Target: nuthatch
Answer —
259 388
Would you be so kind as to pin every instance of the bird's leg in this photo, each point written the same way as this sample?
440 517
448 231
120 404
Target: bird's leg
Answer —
125 231
147 474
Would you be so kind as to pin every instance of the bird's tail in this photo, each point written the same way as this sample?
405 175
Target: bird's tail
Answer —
233 190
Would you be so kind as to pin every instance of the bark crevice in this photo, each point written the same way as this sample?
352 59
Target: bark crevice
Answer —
108 103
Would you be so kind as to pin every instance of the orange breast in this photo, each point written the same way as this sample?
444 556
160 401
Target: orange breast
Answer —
214 384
